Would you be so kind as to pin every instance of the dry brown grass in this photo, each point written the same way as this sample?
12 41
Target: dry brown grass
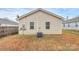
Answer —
68 41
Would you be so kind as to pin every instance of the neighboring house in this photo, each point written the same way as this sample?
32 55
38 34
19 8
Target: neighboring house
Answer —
8 27
40 20
72 24
7 22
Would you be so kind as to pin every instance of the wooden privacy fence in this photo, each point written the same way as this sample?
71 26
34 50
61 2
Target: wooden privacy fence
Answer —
8 30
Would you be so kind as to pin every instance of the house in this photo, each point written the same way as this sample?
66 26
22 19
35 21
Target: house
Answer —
40 20
72 24
7 27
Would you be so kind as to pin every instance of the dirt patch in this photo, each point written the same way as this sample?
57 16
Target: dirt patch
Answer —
65 42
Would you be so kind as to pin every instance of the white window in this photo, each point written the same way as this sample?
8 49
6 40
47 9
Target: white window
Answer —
76 25
31 25
47 25
68 25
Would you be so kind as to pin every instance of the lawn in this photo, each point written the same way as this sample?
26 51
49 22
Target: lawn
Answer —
68 41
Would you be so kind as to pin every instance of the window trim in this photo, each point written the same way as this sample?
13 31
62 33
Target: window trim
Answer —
47 26
31 25
76 24
68 25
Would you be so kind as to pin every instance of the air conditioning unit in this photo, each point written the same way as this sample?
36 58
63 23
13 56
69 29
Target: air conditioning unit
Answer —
39 34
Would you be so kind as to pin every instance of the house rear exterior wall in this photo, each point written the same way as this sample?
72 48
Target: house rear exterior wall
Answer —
39 19
72 26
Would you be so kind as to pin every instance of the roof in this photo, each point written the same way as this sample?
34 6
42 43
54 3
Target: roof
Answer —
40 9
7 21
75 19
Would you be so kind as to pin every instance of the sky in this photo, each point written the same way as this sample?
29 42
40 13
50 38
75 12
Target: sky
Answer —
11 13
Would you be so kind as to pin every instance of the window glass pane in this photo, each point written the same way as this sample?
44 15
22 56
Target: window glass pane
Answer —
47 25
68 25
31 25
76 25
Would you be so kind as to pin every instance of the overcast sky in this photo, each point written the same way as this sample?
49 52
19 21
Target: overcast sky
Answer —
12 12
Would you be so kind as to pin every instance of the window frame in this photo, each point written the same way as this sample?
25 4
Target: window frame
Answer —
68 24
47 25
76 24
32 25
